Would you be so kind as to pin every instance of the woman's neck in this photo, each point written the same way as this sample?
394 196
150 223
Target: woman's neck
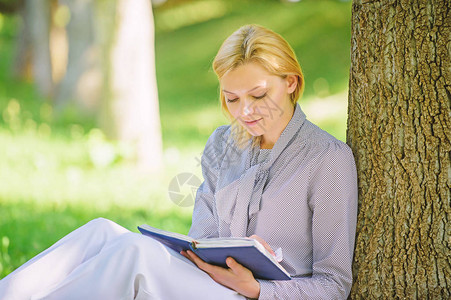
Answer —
266 145
269 139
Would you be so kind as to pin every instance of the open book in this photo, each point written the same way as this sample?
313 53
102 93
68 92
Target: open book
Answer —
248 252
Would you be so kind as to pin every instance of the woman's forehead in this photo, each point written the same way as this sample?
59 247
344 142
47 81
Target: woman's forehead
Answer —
244 88
246 78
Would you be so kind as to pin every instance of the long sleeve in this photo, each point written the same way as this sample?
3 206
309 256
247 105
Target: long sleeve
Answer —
332 196
204 218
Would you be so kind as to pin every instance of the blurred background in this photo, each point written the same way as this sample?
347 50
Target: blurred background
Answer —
104 103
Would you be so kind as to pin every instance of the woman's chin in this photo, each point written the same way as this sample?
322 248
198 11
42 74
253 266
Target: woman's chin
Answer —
254 133
253 130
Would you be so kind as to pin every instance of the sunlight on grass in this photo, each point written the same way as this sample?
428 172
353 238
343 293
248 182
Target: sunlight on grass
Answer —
64 173
53 186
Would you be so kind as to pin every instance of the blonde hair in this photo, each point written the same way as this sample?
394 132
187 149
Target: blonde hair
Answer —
254 43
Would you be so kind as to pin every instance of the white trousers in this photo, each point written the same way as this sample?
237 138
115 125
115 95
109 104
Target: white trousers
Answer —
102 260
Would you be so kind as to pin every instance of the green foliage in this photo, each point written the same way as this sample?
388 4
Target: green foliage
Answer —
58 172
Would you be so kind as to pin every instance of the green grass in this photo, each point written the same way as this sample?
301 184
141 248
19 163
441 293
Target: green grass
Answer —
58 172
29 227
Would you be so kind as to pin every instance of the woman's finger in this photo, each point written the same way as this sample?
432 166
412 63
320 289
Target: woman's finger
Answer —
235 266
264 243
183 252
200 263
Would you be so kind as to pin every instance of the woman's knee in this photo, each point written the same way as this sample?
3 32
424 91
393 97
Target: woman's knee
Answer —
105 227
140 244
100 222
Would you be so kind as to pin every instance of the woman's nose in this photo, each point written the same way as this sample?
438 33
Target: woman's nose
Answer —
247 108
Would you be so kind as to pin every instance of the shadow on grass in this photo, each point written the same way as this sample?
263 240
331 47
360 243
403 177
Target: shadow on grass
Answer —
27 228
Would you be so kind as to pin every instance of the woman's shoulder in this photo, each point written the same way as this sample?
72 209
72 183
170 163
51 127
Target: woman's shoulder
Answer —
217 141
313 134
323 144
219 137
220 133
215 146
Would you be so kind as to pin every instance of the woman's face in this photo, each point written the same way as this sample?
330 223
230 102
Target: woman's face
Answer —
259 100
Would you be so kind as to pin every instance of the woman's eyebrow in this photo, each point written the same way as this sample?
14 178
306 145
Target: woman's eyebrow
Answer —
251 90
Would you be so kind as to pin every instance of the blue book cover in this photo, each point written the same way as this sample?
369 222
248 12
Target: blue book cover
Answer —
248 252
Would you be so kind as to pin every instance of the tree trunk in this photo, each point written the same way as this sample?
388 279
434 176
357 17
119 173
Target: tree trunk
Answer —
398 128
82 82
134 101
22 58
37 14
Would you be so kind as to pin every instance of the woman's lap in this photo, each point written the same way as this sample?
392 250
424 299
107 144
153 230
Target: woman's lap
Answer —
103 259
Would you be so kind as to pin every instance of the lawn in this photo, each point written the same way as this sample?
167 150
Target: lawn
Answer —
58 173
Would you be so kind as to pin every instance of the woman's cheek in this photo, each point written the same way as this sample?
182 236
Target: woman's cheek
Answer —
234 110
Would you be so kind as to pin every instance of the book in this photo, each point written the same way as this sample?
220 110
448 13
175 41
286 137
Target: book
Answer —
246 251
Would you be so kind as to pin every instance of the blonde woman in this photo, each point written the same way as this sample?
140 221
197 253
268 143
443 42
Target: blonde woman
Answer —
271 175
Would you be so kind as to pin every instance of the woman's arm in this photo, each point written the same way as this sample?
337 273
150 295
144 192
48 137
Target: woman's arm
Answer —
333 201
204 213
203 224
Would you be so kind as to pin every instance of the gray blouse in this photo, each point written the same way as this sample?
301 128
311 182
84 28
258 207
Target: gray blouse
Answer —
300 196
263 154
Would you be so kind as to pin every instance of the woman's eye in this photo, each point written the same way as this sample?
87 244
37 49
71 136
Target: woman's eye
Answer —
232 100
260 97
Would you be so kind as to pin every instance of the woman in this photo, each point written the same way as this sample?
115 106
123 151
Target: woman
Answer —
271 175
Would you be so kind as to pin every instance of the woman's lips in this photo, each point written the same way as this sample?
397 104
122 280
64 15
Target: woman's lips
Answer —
252 123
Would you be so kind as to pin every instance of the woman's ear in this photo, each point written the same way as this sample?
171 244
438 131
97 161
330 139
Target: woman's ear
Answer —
292 83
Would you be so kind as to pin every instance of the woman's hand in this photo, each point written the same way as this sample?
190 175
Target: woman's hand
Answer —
264 243
236 277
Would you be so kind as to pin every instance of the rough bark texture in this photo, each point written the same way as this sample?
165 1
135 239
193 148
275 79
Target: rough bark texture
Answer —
398 128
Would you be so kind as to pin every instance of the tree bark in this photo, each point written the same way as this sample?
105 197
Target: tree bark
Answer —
134 98
398 128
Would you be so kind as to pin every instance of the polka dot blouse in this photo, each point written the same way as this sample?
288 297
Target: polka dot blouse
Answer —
300 196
